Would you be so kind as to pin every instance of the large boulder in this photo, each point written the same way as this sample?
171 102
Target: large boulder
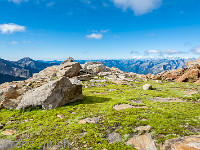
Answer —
67 69
52 95
183 143
94 67
50 88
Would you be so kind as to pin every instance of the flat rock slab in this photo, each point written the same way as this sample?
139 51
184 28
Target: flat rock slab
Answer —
191 92
137 101
89 120
143 128
183 143
142 142
8 132
114 137
126 106
158 99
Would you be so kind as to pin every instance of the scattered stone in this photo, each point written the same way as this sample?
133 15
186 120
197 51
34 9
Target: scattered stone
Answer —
158 81
142 142
122 106
9 132
61 116
127 106
191 92
143 128
89 120
114 137
143 119
82 121
183 143
158 99
137 101
147 87
111 90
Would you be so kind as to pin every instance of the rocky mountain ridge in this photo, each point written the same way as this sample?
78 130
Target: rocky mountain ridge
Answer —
21 69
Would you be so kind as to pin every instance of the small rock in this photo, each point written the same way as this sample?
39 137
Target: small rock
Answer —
82 122
147 87
9 132
61 116
158 81
89 120
191 92
114 137
122 106
158 99
142 142
143 128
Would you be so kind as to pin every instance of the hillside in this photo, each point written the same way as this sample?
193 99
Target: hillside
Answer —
117 111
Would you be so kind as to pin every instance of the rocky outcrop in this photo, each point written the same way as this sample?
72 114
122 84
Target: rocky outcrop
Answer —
49 88
189 74
183 143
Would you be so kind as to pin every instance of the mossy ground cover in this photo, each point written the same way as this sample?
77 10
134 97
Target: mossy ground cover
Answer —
168 120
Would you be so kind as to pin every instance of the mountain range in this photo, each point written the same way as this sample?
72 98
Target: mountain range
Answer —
25 67
21 69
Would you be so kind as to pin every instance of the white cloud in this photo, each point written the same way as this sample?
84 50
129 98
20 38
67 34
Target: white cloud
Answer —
10 28
50 4
140 7
104 31
196 50
153 52
94 36
171 51
14 43
17 1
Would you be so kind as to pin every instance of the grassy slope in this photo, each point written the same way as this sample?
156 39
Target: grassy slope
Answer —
168 120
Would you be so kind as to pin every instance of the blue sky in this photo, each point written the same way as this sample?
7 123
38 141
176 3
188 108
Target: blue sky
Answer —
99 29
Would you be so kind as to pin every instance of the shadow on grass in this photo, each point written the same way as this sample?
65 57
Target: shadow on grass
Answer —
85 100
90 100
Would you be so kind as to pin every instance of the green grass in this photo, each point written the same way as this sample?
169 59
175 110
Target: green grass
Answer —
168 120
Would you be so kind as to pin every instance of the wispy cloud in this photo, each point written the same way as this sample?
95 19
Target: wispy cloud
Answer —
165 52
14 43
94 36
17 1
11 28
105 31
196 50
50 4
139 7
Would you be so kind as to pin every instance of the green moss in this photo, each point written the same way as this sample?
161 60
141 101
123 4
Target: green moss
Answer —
168 120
